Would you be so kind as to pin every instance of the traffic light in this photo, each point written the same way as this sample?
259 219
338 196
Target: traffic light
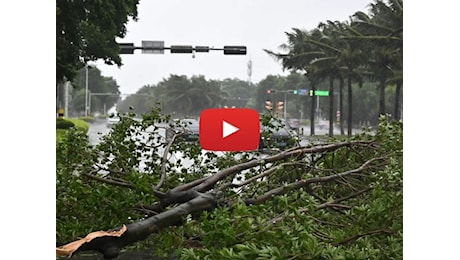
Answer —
234 50
295 92
268 105
271 91
126 48
202 48
181 49
279 106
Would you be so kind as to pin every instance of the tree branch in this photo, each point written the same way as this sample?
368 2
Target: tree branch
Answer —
302 183
355 237
212 180
164 159
110 245
193 201
109 181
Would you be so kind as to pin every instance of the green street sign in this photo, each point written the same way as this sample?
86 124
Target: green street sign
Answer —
324 93
320 93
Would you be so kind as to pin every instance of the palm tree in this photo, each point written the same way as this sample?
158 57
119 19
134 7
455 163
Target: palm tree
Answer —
176 96
300 53
382 32
204 94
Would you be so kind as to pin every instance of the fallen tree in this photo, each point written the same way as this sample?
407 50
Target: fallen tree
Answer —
338 198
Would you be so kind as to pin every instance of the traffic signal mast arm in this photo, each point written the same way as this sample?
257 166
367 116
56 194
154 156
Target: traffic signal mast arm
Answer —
302 92
128 48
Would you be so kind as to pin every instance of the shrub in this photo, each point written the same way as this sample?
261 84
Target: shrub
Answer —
62 123
80 124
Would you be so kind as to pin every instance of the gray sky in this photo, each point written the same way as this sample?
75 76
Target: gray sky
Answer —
257 24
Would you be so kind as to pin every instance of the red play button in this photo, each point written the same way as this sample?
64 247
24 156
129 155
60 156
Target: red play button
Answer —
235 129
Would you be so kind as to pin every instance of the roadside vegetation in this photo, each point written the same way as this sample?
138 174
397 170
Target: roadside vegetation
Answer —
338 199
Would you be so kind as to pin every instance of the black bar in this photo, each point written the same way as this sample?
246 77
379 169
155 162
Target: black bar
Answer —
181 49
235 50
126 48
202 48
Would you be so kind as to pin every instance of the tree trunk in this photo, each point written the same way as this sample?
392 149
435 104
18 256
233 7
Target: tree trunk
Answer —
397 112
342 130
350 108
331 106
381 87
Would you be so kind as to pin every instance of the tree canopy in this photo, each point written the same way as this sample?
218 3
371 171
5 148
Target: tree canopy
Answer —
87 31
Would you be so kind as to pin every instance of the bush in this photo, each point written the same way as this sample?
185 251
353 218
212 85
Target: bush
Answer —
80 124
61 123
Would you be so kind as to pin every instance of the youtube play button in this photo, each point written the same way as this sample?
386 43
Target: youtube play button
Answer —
235 129
228 129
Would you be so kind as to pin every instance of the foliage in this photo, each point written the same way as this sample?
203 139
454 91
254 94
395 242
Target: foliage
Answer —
80 124
358 216
364 98
291 227
181 96
86 31
61 123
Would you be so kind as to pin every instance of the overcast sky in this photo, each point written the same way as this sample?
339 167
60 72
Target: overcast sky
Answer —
257 24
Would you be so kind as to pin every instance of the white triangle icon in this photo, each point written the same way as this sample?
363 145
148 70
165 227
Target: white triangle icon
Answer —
228 129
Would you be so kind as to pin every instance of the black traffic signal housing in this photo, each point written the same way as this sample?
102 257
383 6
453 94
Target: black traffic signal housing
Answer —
279 106
268 105
181 49
126 48
234 50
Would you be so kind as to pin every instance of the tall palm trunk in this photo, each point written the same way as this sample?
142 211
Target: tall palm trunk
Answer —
350 108
397 111
342 129
381 87
331 106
